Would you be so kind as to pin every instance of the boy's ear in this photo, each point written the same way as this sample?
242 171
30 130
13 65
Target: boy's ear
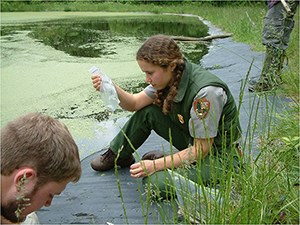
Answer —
25 180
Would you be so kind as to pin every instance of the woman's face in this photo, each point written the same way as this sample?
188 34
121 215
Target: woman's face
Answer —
157 76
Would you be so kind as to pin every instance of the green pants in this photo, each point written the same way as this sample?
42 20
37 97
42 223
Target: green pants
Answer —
139 127
207 172
137 130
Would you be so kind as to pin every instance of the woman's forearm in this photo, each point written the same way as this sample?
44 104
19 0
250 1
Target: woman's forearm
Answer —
186 156
133 102
126 99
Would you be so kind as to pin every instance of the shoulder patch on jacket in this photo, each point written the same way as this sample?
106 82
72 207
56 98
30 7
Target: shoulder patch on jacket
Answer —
201 107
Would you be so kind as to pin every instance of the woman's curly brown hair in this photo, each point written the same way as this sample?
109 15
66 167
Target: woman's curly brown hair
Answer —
162 50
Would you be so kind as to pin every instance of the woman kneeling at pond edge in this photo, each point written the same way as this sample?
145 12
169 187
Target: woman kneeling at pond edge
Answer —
186 105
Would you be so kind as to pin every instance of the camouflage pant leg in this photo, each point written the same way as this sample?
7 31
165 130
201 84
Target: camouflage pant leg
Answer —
271 72
278 26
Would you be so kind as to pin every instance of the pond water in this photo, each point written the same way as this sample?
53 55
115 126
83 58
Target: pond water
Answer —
45 58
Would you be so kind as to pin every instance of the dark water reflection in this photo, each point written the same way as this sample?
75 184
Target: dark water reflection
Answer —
93 37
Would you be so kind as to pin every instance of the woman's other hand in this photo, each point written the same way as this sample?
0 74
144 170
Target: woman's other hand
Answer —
142 169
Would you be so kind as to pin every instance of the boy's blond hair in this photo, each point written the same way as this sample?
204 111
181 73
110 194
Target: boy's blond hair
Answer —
42 143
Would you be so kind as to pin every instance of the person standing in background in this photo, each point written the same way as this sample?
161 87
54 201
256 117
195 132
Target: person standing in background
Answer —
278 25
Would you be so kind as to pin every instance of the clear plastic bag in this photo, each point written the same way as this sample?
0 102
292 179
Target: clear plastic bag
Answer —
108 92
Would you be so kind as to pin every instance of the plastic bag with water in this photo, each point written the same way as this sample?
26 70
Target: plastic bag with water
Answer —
196 202
108 92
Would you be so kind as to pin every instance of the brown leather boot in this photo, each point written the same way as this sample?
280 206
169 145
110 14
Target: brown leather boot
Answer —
107 161
155 154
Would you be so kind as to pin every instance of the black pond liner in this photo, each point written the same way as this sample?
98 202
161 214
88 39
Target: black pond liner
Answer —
96 198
